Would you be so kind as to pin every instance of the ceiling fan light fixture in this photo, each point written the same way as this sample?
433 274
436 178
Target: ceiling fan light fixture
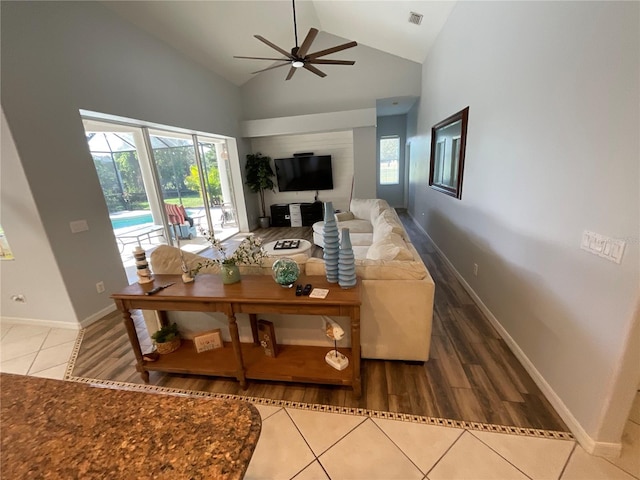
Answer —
297 64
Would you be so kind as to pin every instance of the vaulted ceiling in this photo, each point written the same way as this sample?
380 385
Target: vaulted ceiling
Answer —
212 32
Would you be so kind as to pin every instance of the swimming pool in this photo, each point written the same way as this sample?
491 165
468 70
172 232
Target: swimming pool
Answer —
131 221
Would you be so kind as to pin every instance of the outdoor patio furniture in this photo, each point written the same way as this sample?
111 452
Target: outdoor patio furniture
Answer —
178 219
228 215
135 234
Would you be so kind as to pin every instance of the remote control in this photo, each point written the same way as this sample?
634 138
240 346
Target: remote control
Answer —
298 290
307 289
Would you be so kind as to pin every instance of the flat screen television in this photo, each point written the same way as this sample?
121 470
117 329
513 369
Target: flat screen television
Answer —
301 173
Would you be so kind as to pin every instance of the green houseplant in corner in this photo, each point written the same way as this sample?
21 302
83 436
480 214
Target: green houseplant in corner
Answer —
259 178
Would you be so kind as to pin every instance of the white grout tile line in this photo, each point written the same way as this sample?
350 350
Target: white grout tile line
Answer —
404 417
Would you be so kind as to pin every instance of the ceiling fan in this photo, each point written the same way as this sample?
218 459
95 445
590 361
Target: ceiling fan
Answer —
299 58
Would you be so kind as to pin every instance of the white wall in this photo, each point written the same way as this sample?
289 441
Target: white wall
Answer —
552 150
41 284
337 144
57 58
375 75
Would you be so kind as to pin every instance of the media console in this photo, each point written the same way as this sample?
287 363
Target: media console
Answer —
296 214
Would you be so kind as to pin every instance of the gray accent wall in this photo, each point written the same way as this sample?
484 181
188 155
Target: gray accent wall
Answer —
552 150
58 58
364 161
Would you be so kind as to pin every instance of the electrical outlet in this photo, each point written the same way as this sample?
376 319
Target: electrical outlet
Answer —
100 287
475 269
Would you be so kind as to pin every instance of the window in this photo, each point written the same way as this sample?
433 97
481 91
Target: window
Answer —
390 160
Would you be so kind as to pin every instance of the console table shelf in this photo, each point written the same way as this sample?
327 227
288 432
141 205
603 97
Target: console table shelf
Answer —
255 294
294 363
220 362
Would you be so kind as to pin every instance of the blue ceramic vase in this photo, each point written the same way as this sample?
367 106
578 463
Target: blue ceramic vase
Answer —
331 243
346 262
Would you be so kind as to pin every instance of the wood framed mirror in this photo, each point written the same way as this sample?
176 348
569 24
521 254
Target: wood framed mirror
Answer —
448 144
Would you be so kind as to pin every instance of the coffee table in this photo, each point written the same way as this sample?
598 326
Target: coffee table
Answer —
304 247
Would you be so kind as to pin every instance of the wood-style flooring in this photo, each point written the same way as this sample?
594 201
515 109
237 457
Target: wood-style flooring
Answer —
471 374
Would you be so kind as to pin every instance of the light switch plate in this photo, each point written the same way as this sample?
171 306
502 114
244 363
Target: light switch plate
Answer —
78 226
603 246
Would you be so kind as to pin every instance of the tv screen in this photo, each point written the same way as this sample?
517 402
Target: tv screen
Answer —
304 173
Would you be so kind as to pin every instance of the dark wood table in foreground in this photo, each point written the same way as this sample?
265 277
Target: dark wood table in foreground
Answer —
253 295
60 430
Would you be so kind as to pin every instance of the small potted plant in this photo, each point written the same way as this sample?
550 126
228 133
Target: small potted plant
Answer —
259 178
167 339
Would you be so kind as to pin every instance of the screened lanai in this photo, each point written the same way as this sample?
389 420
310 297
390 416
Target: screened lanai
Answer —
160 189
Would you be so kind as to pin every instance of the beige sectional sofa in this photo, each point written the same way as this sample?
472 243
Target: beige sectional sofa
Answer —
397 290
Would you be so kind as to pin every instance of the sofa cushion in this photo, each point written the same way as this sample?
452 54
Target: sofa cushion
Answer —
386 223
376 269
344 216
390 247
360 251
166 260
357 226
367 209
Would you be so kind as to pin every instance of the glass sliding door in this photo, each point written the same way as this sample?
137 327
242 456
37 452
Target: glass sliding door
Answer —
173 157
218 186
121 163
196 183
162 186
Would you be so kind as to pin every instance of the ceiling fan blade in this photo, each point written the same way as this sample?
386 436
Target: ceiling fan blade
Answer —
313 69
328 51
320 61
291 72
271 67
274 46
265 58
306 45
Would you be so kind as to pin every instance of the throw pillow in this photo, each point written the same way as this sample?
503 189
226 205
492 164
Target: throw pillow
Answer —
367 209
391 247
386 223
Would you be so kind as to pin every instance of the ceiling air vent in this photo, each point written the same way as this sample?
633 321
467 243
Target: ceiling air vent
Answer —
415 18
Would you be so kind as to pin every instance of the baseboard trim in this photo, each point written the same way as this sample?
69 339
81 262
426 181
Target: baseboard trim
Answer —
604 449
40 323
97 316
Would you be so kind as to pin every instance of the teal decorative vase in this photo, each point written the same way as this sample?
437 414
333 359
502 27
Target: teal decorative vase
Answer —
346 262
331 243
229 274
285 272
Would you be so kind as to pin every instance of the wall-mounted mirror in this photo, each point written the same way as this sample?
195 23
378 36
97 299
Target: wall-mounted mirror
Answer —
448 142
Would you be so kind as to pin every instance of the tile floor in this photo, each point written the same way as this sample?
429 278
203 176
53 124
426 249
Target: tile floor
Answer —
303 444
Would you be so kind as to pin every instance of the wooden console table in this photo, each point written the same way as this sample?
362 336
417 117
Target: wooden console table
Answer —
253 295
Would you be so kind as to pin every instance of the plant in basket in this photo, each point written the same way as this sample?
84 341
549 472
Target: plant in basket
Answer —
167 339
